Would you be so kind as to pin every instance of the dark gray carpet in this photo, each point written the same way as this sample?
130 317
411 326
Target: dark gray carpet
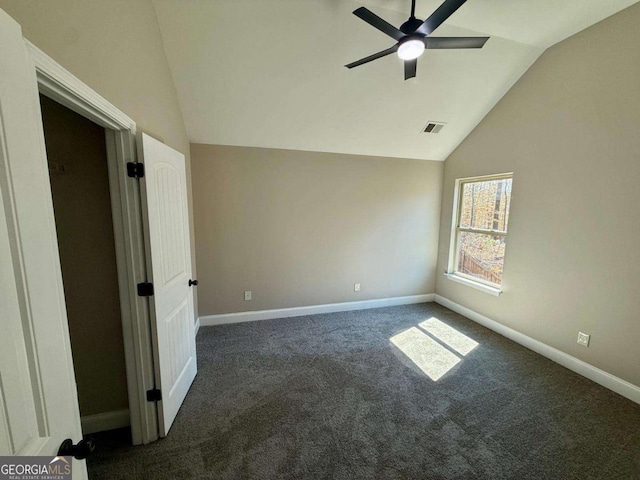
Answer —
328 396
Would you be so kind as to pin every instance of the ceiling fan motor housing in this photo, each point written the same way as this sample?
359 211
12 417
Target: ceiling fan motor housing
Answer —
411 25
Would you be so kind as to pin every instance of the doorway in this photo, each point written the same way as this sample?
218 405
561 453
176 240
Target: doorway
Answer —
77 157
40 409
148 197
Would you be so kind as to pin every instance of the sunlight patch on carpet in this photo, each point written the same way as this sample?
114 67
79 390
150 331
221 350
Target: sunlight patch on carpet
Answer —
428 355
449 335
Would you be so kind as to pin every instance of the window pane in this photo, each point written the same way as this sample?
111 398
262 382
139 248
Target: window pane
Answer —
485 204
481 255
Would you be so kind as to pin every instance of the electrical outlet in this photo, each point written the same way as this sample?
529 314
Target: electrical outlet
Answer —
247 295
583 339
356 287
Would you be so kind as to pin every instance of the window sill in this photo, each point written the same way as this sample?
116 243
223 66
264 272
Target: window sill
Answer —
470 283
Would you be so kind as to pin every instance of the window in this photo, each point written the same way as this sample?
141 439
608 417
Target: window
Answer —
479 235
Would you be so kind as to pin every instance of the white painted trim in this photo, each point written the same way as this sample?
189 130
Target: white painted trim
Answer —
210 320
101 422
452 261
57 83
470 283
624 388
197 329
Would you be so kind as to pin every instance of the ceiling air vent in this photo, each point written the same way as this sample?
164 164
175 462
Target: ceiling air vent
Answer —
433 127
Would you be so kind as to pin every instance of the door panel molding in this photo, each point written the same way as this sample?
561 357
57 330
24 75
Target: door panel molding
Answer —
166 221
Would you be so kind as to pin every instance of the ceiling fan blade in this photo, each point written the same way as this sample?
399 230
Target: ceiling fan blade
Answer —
375 21
375 56
443 12
455 42
410 68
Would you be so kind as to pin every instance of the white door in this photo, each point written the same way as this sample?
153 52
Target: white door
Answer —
164 197
38 399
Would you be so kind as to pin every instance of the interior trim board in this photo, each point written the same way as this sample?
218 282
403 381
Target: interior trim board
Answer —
251 316
101 422
622 387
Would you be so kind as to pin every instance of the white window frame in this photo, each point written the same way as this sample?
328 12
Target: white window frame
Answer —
452 274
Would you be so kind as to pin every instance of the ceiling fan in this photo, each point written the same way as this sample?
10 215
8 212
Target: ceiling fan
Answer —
414 35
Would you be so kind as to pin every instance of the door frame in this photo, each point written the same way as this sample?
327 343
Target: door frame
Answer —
55 82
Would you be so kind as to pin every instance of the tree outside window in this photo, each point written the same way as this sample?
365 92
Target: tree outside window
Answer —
481 222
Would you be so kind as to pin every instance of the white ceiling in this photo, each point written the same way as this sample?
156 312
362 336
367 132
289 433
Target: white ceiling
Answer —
270 73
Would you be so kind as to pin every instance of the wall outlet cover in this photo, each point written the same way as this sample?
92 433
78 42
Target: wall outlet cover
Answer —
583 339
356 287
247 295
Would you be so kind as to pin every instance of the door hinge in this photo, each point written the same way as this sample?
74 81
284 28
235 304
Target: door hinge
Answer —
135 169
154 395
145 289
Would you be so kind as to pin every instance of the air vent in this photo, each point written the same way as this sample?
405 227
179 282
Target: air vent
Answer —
433 127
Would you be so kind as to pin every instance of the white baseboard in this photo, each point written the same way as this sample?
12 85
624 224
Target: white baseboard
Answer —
197 329
210 320
101 422
624 388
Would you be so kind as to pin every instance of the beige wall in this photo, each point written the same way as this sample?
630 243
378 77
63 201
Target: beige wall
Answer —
569 132
300 228
115 47
88 258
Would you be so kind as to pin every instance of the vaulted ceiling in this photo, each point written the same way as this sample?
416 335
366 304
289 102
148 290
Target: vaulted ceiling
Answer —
270 73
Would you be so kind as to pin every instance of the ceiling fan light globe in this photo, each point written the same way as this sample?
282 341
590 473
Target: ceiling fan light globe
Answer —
411 49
